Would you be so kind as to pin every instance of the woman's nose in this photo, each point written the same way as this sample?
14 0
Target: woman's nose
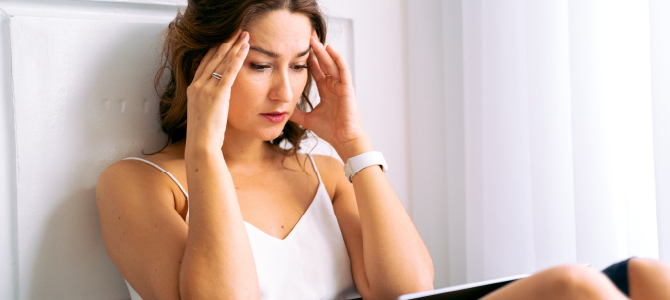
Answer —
281 87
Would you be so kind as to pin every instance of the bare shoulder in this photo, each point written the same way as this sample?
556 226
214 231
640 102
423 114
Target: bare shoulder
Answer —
328 164
332 173
143 233
127 177
125 180
129 188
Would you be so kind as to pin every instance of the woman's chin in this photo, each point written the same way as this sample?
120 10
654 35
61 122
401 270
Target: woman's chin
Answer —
270 136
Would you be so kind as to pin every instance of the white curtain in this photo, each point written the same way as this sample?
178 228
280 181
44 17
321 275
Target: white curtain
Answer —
557 134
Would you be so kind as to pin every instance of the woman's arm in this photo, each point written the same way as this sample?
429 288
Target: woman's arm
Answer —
395 261
218 262
388 256
145 236
143 233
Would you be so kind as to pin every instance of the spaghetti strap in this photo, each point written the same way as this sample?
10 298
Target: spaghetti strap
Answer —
162 170
315 169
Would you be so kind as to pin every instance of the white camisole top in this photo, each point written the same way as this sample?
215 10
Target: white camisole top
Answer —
312 262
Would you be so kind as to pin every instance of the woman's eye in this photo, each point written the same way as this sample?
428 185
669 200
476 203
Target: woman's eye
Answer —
299 67
259 68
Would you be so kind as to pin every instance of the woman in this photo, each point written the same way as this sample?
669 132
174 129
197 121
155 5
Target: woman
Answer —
303 237
238 216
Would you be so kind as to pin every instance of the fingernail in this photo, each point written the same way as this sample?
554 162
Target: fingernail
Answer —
242 34
245 45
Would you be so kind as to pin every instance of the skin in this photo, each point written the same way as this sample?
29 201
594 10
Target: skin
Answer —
648 279
233 176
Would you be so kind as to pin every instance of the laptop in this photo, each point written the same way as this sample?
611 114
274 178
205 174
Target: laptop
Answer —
468 291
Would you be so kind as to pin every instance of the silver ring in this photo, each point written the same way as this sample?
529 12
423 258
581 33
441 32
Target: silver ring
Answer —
216 75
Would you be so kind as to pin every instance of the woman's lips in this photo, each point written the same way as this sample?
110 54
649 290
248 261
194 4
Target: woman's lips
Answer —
275 117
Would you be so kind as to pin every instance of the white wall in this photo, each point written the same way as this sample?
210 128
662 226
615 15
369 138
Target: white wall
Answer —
82 99
428 131
660 69
8 239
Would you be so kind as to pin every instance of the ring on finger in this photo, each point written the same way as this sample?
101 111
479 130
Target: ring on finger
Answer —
216 75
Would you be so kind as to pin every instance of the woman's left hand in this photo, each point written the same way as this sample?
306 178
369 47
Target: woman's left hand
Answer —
336 118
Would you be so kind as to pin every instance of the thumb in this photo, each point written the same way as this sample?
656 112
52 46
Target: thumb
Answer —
299 117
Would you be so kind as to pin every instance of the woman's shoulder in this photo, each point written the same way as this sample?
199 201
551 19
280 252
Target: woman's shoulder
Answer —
129 176
331 171
131 187
139 176
138 167
327 163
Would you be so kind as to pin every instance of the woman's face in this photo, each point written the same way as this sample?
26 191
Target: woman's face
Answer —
274 74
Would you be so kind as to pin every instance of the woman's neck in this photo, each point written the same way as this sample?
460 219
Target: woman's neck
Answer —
242 149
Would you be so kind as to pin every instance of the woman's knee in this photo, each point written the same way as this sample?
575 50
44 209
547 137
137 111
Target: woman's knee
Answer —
648 278
645 266
580 282
573 282
570 277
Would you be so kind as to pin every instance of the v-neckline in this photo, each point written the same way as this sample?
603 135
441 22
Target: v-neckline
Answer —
318 190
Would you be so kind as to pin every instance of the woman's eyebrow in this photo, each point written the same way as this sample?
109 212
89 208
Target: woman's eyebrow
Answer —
301 54
276 55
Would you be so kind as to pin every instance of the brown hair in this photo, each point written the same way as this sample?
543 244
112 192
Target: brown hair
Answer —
205 24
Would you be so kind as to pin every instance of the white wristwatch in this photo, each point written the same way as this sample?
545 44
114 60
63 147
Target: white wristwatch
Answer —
362 161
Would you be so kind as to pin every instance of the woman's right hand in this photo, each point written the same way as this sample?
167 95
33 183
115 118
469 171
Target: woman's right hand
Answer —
208 97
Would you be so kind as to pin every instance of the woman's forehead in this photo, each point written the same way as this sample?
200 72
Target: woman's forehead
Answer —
281 32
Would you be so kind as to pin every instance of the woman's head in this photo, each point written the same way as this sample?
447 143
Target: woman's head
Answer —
266 83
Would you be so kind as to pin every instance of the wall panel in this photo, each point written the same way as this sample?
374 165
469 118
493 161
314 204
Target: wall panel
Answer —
81 103
8 254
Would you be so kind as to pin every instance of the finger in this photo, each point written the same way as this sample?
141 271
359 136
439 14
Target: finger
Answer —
345 73
205 60
203 63
326 62
221 68
298 116
217 58
314 67
232 68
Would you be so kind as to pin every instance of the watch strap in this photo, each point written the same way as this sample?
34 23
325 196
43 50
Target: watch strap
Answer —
362 161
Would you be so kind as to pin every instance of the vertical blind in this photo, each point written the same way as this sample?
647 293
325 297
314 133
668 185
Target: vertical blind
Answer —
559 134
